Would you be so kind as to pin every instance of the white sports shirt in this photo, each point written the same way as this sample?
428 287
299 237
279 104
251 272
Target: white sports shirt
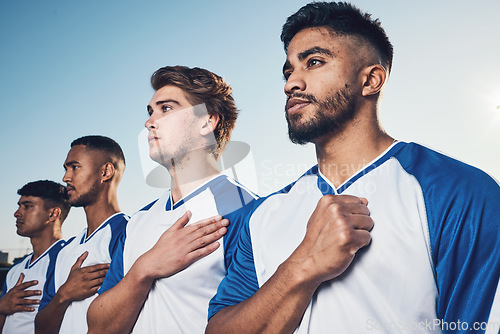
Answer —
433 263
179 304
40 270
101 245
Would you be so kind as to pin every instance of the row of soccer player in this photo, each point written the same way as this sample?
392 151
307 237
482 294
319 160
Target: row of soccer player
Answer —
409 238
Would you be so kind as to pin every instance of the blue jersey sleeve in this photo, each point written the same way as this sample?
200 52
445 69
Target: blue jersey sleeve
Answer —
118 227
240 282
49 290
463 211
115 272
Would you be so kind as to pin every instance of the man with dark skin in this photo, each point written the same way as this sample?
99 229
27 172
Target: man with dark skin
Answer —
94 167
433 261
43 207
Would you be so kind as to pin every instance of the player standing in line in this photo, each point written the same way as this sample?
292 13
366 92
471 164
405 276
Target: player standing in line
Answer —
434 252
94 167
191 116
43 206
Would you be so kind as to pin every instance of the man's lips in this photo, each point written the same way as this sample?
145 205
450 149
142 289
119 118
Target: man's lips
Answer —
152 137
295 104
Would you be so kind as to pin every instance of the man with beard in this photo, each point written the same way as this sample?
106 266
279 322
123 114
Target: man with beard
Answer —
43 206
433 261
94 167
167 270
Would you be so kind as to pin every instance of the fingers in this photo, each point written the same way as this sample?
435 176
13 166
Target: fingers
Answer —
363 239
181 222
209 225
361 222
26 309
206 236
207 221
345 199
97 268
204 251
79 261
29 293
20 279
26 285
95 274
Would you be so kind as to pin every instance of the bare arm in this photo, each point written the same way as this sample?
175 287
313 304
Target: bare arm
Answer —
337 229
2 321
176 249
81 284
15 300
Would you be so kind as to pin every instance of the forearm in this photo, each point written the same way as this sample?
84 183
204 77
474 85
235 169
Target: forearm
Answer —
277 307
49 319
107 313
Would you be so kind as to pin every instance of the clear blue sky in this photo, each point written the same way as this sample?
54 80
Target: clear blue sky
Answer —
73 68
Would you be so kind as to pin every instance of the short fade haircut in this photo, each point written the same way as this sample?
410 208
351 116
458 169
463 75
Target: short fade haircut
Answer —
203 86
343 19
52 193
103 144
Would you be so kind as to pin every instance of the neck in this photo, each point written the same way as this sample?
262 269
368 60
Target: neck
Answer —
190 172
342 155
43 242
104 207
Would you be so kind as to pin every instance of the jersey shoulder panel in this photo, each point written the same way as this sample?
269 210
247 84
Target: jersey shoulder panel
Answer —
462 211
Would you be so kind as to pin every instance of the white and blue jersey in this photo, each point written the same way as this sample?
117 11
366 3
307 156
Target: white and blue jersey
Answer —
433 262
40 270
179 304
101 245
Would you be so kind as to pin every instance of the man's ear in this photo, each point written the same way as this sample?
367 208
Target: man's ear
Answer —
107 171
54 214
210 124
374 79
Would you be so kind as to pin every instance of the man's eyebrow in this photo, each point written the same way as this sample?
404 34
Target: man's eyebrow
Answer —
167 101
314 50
69 163
159 103
24 202
304 54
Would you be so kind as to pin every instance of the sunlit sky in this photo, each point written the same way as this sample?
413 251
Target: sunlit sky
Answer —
73 68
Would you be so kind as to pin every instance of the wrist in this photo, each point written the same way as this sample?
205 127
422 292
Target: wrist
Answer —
298 274
62 297
141 272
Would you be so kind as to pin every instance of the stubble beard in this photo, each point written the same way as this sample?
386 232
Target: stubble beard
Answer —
171 159
87 198
332 115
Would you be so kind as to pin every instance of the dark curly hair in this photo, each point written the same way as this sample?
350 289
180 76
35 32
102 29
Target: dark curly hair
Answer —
203 86
343 19
53 194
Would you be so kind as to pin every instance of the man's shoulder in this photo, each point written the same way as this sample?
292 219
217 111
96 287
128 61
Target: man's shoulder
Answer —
228 194
118 222
296 190
435 170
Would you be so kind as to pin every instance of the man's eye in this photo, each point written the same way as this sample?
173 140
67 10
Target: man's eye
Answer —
314 62
166 108
287 74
